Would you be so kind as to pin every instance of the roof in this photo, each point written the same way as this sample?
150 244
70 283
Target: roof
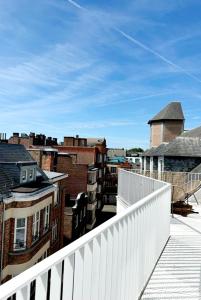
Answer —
5 182
181 146
196 132
55 176
95 141
197 169
12 157
116 159
173 111
14 153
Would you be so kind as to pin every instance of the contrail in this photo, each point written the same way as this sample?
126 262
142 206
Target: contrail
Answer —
76 5
146 48
135 99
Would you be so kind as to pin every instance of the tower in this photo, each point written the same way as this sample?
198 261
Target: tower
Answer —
167 124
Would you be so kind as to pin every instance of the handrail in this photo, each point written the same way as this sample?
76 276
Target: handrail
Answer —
102 244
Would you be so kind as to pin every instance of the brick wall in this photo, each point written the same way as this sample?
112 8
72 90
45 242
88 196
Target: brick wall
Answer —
85 155
156 134
171 130
77 179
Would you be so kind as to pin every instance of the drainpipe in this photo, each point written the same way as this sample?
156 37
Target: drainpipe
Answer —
2 242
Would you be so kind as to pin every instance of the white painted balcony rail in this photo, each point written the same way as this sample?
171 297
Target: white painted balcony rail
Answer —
115 260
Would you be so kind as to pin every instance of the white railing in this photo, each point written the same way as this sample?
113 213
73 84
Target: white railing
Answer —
133 188
113 261
175 178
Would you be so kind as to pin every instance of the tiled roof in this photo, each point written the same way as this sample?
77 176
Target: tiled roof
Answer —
186 147
196 132
173 111
14 153
5 182
12 156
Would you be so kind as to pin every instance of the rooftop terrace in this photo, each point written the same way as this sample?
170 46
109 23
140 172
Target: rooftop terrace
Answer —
117 259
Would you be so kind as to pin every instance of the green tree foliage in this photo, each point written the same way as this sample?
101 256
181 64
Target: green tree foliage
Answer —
135 150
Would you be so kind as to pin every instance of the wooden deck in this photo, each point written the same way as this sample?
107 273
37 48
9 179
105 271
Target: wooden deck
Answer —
178 272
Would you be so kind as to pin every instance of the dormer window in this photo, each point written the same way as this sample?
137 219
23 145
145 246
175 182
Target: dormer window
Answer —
31 173
28 174
24 175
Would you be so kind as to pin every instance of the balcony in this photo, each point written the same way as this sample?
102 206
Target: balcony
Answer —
113 261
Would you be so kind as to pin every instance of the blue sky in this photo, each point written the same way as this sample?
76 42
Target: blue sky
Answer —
98 68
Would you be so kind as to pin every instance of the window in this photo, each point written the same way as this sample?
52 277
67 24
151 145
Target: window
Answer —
36 226
20 234
46 217
99 188
81 216
113 170
99 173
76 221
55 230
56 194
85 209
24 175
31 174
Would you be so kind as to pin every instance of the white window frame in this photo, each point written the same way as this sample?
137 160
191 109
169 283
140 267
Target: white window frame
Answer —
31 172
46 218
36 226
24 178
56 194
15 234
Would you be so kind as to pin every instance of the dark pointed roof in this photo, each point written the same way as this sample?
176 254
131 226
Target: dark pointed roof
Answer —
173 111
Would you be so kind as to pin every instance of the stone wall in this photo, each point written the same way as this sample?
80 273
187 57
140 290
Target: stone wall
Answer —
181 164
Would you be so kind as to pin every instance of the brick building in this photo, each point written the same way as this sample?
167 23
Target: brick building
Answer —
91 153
75 217
31 210
32 139
50 159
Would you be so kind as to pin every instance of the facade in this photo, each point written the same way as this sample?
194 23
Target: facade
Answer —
31 208
80 176
91 155
167 124
75 218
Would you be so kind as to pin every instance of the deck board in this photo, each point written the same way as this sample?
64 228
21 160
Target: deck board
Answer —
178 272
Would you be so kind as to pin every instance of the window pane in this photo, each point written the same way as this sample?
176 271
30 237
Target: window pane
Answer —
20 235
20 222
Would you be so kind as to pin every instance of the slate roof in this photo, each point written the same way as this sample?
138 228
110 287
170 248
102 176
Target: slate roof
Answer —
196 169
181 146
193 133
14 153
173 111
5 182
12 156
